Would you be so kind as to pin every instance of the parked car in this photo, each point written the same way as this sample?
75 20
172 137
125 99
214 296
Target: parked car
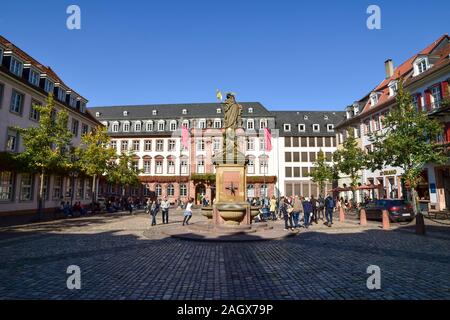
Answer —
399 210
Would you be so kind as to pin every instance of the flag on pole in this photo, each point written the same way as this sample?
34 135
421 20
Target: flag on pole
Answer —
219 95
268 139
185 137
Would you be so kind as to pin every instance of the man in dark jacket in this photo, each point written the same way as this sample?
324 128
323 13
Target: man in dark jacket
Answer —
307 209
314 204
329 207
284 206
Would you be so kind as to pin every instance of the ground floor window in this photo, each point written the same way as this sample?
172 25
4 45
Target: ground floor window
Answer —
158 190
183 190
80 188
26 187
250 191
170 190
88 189
263 190
57 187
6 186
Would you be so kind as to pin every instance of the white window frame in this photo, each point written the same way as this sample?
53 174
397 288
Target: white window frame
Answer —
115 127
316 127
184 111
16 66
125 113
301 127
137 126
161 126
149 126
250 124
154 112
330 127
250 110
126 127
147 145
34 77
287 127
159 146
173 126
49 86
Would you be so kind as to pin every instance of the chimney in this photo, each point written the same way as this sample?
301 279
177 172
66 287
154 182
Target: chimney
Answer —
389 66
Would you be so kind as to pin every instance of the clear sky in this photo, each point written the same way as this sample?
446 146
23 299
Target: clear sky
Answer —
302 55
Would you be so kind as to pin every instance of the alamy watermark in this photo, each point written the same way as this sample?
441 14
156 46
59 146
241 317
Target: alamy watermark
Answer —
74 280
73 21
374 280
374 20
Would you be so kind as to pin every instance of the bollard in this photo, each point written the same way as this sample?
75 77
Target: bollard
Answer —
386 223
362 217
341 214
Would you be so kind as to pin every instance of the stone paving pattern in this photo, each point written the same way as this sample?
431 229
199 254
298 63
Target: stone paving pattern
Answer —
118 261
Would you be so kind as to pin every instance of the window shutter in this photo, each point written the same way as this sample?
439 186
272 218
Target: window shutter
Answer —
428 99
444 89
419 101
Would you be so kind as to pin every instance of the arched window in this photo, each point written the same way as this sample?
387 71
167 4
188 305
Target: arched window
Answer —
170 190
263 190
159 164
250 191
158 190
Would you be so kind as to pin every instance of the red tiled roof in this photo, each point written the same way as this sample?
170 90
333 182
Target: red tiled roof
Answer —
405 71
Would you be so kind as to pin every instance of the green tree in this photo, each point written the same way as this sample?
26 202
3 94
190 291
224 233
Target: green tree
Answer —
350 160
409 140
322 172
94 154
121 172
47 145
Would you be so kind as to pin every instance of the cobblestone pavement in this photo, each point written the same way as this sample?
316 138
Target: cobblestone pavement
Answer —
118 262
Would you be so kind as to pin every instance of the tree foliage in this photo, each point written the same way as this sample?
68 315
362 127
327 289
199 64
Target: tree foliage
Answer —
121 171
321 172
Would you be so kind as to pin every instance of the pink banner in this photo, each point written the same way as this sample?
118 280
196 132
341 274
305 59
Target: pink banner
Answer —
185 137
268 139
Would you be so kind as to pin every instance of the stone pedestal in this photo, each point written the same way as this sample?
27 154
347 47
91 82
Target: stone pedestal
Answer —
230 208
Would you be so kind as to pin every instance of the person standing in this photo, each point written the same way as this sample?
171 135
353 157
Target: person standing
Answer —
329 207
285 209
297 209
314 204
188 212
154 211
273 208
307 209
321 208
165 204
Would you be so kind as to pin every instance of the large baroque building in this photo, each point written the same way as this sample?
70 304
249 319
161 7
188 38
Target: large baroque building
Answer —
153 134
426 77
25 82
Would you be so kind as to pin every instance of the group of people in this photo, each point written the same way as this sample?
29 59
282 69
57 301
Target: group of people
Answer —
310 210
154 206
70 210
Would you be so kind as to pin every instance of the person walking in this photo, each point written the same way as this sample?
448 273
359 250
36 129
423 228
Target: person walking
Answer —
165 204
154 211
188 212
314 204
297 209
273 208
329 207
286 211
130 205
321 208
307 209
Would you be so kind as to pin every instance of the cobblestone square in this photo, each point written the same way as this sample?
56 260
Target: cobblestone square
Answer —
122 257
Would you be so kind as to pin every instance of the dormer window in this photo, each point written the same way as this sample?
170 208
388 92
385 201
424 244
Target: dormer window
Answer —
34 77
49 86
97 114
393 87
161 126
374 99
154 112
202 124
305 117
149 126
184 111
62 95
316 127
420 65
72 101
126 127
219 110
330 127
250 124
287 127
1 56
16 67
137 126
217 124
262 124
125 113
301 127
173 126
250 110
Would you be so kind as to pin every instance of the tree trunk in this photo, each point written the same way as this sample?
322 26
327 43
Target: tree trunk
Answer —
41 195
420 223
93 191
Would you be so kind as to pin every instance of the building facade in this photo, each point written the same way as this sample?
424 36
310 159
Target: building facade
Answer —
25 82
302 134
426 77
153 134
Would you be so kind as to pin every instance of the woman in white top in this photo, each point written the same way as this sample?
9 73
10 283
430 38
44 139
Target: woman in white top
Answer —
188 211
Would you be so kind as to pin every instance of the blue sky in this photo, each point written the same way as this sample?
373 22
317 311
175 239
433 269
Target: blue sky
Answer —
288 55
